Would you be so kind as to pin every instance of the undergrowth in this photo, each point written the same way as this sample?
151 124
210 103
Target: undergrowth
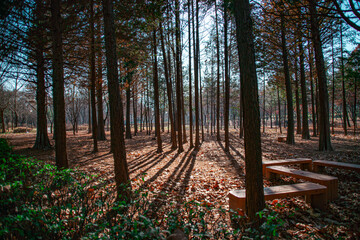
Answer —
37 200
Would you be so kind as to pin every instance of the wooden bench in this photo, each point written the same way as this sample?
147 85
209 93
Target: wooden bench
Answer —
330 182
305 163
281 139
315 194
320 164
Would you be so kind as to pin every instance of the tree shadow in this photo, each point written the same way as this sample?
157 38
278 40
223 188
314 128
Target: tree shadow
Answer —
156 160
234 163
177 182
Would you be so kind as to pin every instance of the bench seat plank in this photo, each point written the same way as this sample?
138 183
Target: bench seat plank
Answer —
348 166
330 182
314 193
304 162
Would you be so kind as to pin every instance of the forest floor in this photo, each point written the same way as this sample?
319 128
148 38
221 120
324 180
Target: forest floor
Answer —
209 174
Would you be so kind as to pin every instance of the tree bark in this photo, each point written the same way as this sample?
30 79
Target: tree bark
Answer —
343 82
196 70
297 100
134 97
168 91
218 77
128 101
42 139
253 161
99 94
290 139
227 82
190 84
93 77
156 96
2 121
305 122
58 87
324 130
116 109
178 73
333 86
279 107
312 90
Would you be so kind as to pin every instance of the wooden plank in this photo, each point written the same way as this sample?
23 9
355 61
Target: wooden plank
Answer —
330 182
315 194
306 163
348 166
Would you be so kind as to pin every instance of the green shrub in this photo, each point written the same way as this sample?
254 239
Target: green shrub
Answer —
37 200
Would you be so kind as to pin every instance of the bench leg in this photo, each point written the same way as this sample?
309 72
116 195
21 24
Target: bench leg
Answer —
306 166
319 169
319 201
271 176
237 204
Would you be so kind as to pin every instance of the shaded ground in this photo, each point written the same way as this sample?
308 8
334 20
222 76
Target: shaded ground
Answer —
208 175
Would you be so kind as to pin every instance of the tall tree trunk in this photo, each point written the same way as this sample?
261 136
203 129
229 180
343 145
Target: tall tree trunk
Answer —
93 77
297 101
333 86
42 139
312 89
290 139
201 98
227 82
279 107
196 70
218 77
264 98
89 112
253 161
134 97
116 108
182 102
324 130
2 121
128 101
58 87
141 114
305 122
241 114
99 89
156 96
190 84
343 82
355 86
178 73
168 91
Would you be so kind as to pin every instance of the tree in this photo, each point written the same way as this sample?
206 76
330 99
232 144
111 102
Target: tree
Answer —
324 125
178 74
305 123
93 78
217 77
99 91
190 84
156 95
196 71
290 139
58 86
42 139
168 90
227 81
253 161
116 111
